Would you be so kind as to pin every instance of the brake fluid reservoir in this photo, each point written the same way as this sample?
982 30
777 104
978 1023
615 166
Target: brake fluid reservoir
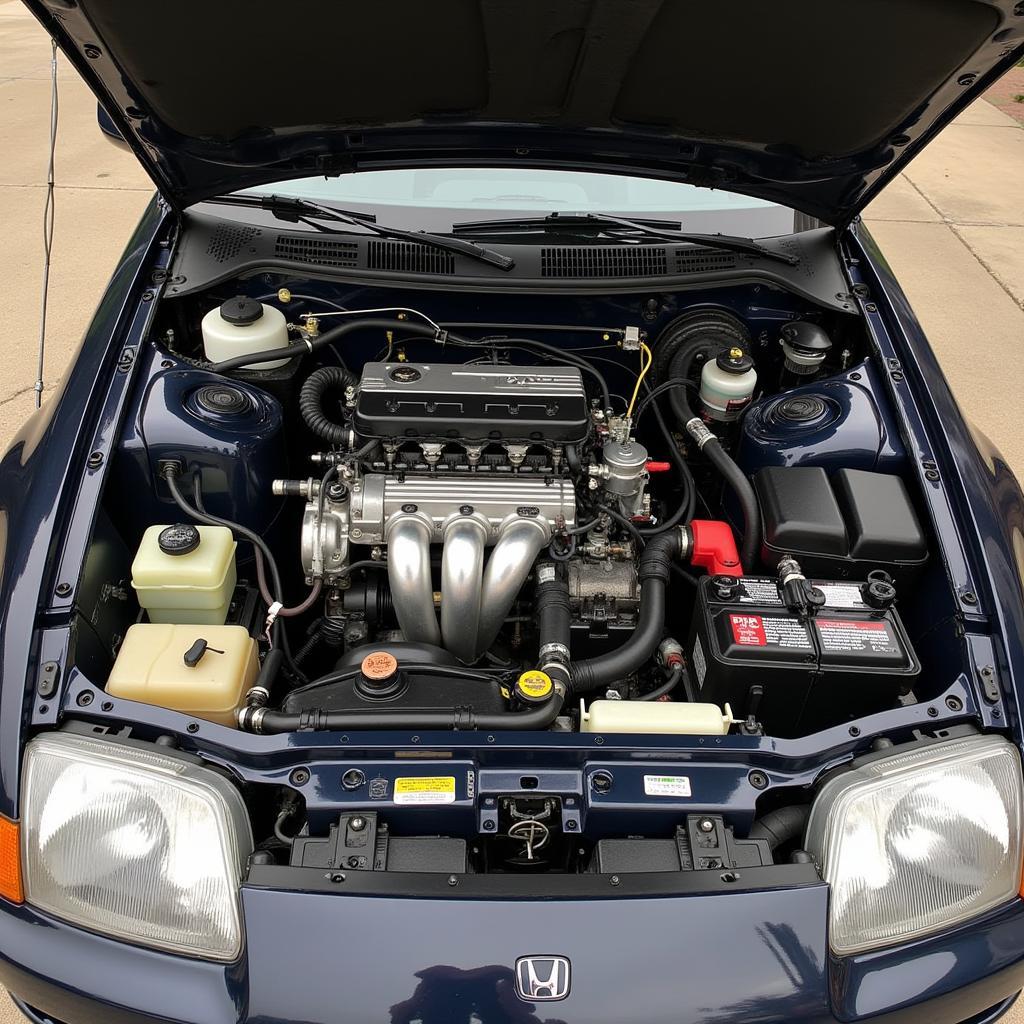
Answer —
242 326
727 384
185 573
203 671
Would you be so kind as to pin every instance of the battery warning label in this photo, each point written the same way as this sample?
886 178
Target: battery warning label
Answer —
769 631
425 790
856 635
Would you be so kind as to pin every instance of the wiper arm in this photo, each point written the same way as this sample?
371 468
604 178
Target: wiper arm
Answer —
305 210
731 243
671 230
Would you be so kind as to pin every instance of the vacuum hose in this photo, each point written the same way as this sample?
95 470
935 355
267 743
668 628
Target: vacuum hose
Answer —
653 570
311 401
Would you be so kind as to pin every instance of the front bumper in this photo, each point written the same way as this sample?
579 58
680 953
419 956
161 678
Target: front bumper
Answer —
338 958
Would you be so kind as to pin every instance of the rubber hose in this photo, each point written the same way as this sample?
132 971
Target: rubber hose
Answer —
554 622
327 338
311 401
613 667
781 826
667 687
450 720
750 549
687 506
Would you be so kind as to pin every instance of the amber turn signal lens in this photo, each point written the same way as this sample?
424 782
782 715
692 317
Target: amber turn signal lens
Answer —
10 862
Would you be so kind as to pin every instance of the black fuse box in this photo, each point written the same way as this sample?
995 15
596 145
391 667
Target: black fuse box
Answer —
797 672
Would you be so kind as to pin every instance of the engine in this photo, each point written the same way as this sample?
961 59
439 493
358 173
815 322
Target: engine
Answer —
471 465
494 542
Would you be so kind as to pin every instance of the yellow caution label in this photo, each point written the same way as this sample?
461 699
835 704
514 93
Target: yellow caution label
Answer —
438 789
535 684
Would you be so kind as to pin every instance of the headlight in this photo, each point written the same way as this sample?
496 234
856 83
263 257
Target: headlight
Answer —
135 843
918 841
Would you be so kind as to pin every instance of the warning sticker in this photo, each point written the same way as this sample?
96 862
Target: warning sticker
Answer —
667 785
757 590
765 591
425 790
841 595
856 635
769 631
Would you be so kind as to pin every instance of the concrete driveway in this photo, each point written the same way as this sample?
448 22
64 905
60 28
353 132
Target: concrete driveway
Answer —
952 228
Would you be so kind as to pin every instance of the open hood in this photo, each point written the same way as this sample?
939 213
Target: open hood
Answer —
810 103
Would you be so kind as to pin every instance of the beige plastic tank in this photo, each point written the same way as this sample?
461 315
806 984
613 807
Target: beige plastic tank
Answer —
151 667
673 718
185 573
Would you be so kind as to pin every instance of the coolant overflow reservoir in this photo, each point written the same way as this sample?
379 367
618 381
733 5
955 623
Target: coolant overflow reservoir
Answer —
242 326
185 573
658 717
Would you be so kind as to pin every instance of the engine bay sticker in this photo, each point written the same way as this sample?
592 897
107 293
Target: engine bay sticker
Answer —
667 785
425 790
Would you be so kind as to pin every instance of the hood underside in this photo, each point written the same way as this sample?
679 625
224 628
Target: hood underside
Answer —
810 103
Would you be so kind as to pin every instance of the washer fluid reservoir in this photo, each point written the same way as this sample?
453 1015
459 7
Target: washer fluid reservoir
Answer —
242 326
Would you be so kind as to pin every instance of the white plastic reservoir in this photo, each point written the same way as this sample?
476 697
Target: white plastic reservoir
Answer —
242 326
674 718
185 573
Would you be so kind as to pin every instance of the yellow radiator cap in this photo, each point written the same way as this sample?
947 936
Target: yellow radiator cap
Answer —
534 686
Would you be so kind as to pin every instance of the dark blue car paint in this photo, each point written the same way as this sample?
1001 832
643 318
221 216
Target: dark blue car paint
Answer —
857 432
757 954
329 959
40 491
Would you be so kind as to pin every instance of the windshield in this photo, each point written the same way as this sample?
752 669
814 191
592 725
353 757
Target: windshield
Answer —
436 199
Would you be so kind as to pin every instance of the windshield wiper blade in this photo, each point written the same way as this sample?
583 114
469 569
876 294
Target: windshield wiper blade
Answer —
307 211
552 222
644 228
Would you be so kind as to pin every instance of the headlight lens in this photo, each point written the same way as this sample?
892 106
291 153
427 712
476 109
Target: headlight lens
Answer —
135 843
918 841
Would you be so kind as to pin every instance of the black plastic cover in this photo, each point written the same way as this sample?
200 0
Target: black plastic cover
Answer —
800 512
843 526
880 519
441 401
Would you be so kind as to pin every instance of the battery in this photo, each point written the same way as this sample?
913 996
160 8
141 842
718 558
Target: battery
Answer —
797 673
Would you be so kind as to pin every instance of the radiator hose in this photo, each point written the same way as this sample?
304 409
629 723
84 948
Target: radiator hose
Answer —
311 401
735 478
653 571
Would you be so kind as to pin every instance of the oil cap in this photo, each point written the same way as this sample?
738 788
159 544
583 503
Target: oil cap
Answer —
533 687
241 311
179 539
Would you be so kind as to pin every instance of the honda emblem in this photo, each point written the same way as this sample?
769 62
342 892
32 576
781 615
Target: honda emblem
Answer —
542 979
